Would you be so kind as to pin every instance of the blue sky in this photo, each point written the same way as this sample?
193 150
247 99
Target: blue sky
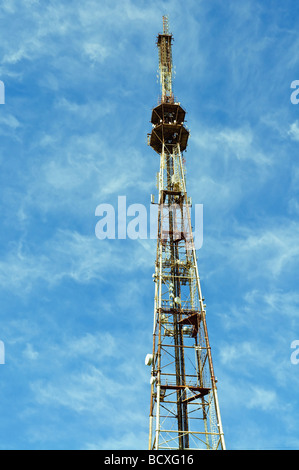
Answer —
76 312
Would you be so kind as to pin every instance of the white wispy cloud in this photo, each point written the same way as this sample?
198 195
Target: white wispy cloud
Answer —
263 399
261 252
9 121
104 386
68 254
29 353
294 131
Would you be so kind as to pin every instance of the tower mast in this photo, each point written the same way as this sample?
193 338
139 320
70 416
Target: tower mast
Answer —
184 408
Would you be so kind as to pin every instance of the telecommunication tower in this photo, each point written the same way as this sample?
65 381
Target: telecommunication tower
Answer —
184 408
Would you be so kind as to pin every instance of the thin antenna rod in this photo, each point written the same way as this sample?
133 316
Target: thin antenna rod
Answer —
165 62
165 25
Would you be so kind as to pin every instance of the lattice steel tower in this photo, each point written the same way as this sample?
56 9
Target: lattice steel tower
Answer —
184 409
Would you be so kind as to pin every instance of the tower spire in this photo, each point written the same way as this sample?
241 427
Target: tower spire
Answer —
165 25
184 408
164 43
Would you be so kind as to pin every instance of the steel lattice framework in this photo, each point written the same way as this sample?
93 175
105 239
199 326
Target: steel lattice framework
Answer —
184 409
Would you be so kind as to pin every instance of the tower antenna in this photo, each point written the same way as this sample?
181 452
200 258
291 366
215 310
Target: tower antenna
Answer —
164 43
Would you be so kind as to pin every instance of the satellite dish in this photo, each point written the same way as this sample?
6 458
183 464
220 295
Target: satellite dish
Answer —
148 359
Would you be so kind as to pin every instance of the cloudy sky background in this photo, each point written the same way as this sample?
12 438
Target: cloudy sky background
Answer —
76 312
